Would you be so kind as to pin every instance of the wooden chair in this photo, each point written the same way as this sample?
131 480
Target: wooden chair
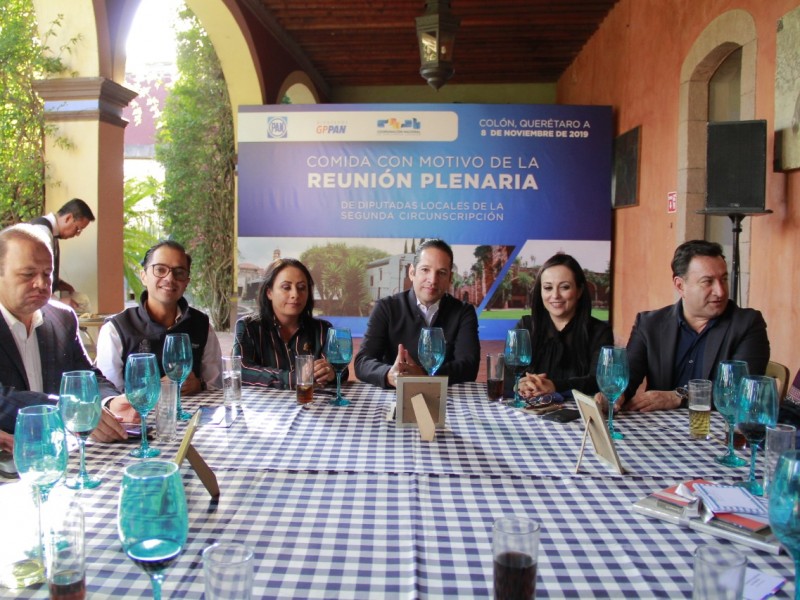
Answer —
781 373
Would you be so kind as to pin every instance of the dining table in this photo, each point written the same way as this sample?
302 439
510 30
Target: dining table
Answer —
340 502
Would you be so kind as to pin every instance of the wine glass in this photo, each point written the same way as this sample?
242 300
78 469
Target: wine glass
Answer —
339 351
431 349
152 518
518 356
79 403
784 508
612 379
757 409
177 361
726 386
143 387
40 456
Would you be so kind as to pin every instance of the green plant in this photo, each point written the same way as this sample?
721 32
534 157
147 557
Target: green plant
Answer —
140 231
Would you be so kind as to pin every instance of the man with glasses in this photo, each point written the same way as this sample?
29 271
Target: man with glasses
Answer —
162 310
70 220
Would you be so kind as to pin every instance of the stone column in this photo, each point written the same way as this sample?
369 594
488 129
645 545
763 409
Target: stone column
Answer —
84 149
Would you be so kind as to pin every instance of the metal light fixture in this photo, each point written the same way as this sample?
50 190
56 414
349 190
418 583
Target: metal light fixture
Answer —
436 34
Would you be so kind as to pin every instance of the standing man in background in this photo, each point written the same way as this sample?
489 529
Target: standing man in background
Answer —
70 220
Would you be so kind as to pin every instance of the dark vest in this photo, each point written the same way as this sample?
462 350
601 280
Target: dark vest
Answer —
139 333
56 253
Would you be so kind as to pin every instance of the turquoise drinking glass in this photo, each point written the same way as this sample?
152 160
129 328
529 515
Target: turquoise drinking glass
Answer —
518 355
40 456
143 387
339 351
177 361
784 508
612 379
152 517
726 386
756 410
79 404
431 349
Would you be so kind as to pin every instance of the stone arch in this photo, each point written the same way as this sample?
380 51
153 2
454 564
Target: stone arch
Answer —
725 34
300 88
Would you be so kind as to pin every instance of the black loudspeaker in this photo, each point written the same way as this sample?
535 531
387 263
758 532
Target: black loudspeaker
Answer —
736 167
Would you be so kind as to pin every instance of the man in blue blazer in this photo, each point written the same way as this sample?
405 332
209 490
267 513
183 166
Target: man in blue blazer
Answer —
38 337
688 339
389 347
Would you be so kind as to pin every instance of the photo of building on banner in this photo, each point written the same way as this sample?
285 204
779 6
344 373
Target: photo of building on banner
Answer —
351 191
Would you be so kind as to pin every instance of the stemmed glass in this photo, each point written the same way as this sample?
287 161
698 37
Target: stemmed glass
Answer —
757 409
152 518
431 349
612 379
339 351
142 387
784 508
40 456
518 356
79 403
726 386
177 361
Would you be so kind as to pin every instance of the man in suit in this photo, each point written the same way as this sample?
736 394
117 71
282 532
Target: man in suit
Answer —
389 347
70 220
38 337
688 339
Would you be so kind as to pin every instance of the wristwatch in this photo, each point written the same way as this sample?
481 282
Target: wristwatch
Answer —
683 394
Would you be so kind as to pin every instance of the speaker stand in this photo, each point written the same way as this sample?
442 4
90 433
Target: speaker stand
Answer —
736 222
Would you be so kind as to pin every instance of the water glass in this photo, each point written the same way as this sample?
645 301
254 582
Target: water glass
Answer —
515 547
495 375
167 411
20 564
431 349
228 571
64 551
780 438
232 379
718 572
304 378
700 408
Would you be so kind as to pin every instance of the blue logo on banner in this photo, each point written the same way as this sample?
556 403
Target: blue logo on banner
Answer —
277 127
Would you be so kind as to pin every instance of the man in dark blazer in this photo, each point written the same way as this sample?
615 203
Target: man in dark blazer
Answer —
38 337
687 340
389 347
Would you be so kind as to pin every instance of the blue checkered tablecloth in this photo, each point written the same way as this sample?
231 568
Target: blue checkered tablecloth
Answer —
338 502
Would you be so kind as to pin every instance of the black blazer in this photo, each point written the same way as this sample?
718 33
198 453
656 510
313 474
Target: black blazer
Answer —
739 334
397 320
60 349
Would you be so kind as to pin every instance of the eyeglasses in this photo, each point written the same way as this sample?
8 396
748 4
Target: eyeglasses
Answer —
178 273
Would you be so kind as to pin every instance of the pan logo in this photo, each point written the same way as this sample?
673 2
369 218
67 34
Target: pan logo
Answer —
277 127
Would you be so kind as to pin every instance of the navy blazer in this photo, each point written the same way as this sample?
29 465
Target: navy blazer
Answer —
397 320
739 334
60 349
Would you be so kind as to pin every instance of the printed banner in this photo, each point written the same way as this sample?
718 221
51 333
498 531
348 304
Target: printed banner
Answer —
359 186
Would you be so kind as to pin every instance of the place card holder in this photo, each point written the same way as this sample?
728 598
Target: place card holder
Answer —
597 429
200 466
432 393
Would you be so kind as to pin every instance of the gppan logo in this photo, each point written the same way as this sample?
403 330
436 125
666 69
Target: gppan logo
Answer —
277 127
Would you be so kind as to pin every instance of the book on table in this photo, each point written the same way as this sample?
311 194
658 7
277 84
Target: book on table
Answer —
668 505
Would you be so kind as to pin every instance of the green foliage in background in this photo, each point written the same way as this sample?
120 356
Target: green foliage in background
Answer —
23 60
139 232
195 145
338 272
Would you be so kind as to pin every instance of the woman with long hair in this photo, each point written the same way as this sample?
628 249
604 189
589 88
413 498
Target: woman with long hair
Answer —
565 338
284 326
